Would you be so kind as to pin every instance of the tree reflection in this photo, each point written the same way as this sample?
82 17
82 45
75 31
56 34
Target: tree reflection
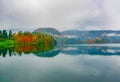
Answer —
45 50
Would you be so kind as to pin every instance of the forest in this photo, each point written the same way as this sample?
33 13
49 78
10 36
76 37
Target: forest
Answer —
25 38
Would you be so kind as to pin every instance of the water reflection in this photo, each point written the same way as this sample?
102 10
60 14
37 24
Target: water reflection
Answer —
91 50
82 66
43 50
47 50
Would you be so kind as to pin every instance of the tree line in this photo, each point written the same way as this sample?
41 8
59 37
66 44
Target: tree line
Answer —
27 37
32 38
5 35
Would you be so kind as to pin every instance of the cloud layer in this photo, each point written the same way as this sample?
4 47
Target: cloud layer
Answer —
60 14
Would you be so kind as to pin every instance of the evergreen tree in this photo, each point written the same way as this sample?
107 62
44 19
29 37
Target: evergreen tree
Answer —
0 34
5 36
10 34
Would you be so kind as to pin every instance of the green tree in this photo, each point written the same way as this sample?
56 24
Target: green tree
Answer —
0 34
5 36
10 34
20 33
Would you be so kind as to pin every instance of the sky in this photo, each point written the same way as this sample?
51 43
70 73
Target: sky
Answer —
60 14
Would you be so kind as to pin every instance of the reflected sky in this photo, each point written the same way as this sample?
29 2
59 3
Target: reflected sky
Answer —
61 68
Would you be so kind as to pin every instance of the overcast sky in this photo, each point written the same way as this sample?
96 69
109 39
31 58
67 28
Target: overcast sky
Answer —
60 14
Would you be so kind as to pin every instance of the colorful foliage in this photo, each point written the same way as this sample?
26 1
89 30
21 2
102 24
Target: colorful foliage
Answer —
31 38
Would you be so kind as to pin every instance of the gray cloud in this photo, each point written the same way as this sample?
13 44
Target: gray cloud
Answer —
61 14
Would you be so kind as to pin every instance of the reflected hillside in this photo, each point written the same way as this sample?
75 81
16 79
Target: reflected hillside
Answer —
92 50
51 53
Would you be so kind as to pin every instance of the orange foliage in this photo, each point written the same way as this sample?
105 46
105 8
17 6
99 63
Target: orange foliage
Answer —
29 38
25 49
47 39
90 41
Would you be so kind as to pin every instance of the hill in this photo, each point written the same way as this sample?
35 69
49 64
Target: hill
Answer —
107 36
48 30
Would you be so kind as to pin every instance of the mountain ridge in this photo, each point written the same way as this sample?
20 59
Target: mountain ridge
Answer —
48 30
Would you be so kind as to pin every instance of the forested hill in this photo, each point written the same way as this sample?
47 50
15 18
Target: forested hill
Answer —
105 36
77 36
48 30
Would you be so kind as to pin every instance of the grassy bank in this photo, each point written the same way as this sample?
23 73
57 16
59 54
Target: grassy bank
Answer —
6 43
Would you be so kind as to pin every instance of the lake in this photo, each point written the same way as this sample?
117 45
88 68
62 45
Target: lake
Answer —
68 63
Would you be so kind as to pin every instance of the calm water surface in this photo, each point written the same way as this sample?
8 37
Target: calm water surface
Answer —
71 63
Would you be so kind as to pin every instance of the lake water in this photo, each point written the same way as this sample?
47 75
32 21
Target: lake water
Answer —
69 63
